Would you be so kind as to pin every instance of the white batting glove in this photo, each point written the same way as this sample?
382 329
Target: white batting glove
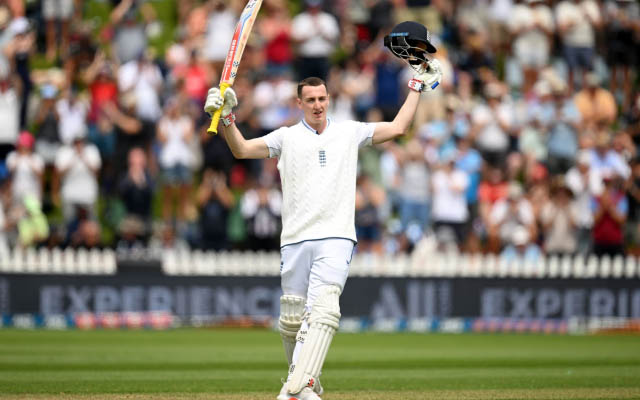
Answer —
215 101
430 78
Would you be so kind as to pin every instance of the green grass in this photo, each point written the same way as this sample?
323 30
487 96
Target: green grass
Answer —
248 364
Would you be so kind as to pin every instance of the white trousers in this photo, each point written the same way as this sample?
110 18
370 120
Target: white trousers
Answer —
307 266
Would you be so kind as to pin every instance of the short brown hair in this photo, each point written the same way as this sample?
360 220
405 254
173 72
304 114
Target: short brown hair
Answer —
311 81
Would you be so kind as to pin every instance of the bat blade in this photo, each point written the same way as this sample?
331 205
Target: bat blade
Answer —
236 48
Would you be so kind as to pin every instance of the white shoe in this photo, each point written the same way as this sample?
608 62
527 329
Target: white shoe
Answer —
305 394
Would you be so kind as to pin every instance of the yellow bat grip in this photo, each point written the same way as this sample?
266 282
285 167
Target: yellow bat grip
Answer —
215 118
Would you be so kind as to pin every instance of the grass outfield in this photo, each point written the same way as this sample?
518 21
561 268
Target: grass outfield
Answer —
248 364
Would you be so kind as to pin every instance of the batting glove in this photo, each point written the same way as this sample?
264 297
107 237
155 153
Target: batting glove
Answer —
215 101
429 79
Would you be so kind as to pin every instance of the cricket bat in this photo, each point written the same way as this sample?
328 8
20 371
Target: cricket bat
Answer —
232 62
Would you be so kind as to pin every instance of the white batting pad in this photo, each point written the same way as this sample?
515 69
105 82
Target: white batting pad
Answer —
323 322
291 311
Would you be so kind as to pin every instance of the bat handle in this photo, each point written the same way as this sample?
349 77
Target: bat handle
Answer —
215 118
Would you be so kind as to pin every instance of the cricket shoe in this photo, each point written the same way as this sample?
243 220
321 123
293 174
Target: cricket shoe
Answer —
305 394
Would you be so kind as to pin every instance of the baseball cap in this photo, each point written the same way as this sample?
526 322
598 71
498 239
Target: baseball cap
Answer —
26 139
584 157
19 26
520 236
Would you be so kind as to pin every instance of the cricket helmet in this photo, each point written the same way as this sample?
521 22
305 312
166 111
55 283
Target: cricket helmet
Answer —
404 39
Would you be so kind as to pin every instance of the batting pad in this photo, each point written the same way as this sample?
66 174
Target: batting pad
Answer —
291 311
323 323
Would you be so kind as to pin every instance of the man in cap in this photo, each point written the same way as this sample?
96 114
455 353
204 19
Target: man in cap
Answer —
315 33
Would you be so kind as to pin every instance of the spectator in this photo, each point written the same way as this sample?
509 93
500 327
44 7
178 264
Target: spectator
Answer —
388 70
577 22
595 103
369 200
175 131
215 201
532 26
136 192
578 180
5 37
414 193
356 82
9 113
492 126
492 189
274 100
315 32
562 136
103 89
610 211
194 77
221 24
88 235
520 248
559 219
26 169
604 161
48 140
632 121
260 207
275 29
129 37
19 51
621 20
475 63
391 179
532 140
508 215
128 130
143 78
72 116
82 230
77 165
57 11
33 228
469 161
450 212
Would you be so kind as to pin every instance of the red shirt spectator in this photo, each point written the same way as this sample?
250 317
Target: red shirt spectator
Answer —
103 90
195 79
610 214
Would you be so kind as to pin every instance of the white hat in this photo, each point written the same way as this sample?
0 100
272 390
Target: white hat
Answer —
542 88
520 236
584 157
18 26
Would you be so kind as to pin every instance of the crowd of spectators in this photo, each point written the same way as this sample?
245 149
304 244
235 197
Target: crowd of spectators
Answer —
528 147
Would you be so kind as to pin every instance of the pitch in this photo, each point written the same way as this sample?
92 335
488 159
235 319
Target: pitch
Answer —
248 364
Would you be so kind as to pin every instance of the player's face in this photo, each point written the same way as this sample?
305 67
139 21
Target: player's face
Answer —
314 101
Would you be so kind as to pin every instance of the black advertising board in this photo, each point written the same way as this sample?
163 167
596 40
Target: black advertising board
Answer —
374 298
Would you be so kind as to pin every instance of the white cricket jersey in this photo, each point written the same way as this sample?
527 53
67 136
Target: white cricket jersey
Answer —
318 175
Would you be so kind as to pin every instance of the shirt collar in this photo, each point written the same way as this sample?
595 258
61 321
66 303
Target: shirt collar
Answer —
313 130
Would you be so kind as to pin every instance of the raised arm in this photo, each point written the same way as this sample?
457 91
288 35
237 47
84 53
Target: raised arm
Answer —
240 147
390 130
423 82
